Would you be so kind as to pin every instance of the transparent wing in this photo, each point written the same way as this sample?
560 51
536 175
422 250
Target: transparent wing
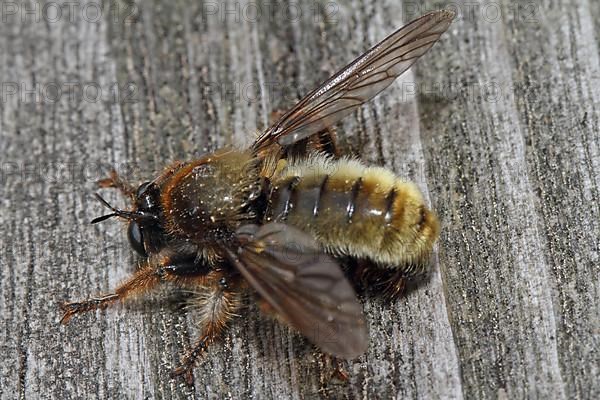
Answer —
304 286
358 82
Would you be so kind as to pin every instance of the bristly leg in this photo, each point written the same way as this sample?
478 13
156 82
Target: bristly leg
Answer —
145 279
331 376
324 141
217 305
339 372
217 299
395 286
115 181
387 282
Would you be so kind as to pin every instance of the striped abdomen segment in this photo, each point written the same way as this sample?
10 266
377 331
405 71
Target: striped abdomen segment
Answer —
355 210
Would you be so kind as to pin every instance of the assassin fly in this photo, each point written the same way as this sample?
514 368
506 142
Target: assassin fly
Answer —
274 219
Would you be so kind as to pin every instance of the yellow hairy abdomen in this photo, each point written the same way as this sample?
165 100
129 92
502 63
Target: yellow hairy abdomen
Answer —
360 211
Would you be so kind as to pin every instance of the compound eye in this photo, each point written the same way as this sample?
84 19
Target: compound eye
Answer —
142 188
136 240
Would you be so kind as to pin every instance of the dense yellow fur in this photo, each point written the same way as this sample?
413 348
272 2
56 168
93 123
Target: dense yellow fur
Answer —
401 242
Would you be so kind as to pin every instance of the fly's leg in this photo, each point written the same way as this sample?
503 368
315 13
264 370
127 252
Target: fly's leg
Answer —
217 300
116 182
394 286
217 305
145 279
339 372
333 374
324 141
387 282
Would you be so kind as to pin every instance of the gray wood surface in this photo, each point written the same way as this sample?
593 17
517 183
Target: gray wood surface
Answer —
498 125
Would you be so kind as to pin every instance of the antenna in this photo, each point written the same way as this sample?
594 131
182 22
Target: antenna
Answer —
135 215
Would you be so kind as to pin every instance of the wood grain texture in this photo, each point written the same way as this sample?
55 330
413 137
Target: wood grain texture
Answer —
498 125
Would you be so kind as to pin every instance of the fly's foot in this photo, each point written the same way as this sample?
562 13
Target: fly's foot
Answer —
188 362
186 372
77 307
339 373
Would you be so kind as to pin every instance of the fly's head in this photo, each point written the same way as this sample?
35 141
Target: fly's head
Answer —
144 231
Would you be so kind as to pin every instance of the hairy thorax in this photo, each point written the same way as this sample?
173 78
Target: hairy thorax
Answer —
207 199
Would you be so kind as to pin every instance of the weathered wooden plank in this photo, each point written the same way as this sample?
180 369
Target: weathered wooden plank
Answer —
503 157
561 132
512 307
